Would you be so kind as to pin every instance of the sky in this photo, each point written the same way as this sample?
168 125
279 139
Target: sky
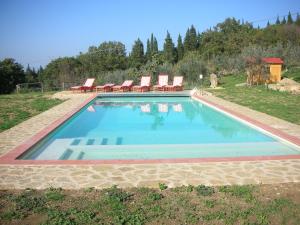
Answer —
37 31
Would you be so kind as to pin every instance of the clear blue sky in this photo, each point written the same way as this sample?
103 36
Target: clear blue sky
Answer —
36 31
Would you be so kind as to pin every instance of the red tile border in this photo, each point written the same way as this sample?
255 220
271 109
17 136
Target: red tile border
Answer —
10 157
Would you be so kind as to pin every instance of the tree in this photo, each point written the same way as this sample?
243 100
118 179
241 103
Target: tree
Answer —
152 42
11 74
289 19
283 20
297 21
191 66
268 24
199 39
30 75
277 20
66 69
186 42
108 56
148 51
228 37
180 48
155 47
39 73
169 50
137 54
193 43
112 55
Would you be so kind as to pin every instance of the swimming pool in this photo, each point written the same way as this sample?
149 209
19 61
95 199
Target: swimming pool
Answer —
134 128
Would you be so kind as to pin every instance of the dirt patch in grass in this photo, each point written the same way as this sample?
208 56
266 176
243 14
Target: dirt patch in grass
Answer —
261 204
16 108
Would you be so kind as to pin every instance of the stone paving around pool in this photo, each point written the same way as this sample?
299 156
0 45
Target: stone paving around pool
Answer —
128 175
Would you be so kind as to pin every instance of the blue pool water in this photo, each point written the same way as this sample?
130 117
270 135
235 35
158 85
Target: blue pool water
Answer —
153 128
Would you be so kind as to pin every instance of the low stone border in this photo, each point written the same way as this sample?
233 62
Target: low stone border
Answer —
101 176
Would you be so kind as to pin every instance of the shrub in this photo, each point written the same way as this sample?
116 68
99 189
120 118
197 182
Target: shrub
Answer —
115 193
11 74
204 190
244 191
54 194
154 196
162 186
190 67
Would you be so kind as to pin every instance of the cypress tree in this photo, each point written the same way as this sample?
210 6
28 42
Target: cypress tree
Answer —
277 20
283 20
137 54
297 21
193 43
186 42
155 47
199 41
152 42
169 50
268 24
289 19
148 51
180 49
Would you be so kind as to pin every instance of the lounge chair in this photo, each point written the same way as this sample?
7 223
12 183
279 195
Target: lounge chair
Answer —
88 85
126 86
162 82
145 84
105 88
177 84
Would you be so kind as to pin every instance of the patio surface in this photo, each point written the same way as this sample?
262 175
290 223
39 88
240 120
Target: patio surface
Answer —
128 175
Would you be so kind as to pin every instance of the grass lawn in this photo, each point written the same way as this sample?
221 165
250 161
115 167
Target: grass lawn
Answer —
282 105
15 108
262 204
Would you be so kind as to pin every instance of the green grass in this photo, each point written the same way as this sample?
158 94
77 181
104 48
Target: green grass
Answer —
181 205
279 104
15 108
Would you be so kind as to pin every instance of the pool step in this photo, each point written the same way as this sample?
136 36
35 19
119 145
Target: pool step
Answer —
96 141
115 151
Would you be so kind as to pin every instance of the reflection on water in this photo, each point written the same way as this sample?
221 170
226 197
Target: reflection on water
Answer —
192 111
163 107
152 128
145 108
177 108
178 111
91 109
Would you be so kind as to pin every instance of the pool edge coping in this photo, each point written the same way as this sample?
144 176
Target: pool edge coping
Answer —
11 156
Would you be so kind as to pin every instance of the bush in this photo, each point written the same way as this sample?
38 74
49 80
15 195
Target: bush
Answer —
190 67
166 68
54 194
11 74
119 76
204 190
162 186
117 194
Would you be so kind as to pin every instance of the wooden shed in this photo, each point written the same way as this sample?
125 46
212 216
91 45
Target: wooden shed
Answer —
275 65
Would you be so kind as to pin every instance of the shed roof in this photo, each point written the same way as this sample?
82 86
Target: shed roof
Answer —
273 60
